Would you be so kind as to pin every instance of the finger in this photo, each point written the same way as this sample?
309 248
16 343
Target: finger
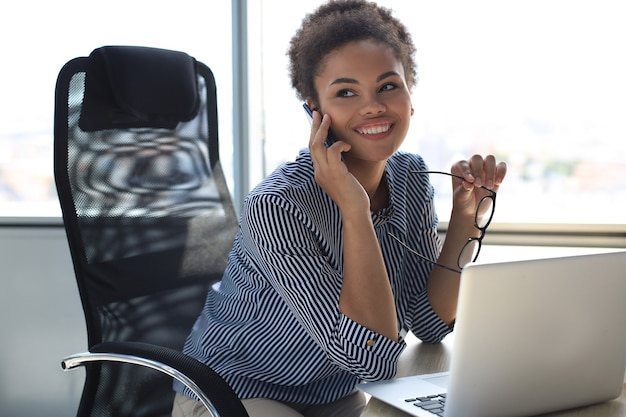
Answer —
501 169
462 169
489 170
319 133
337 149
323 131
315 126
476 164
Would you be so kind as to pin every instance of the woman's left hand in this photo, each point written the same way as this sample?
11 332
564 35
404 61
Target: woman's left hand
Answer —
478 173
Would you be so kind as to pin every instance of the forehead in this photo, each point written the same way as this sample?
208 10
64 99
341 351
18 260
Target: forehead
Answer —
359 60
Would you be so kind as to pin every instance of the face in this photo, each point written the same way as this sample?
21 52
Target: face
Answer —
362 87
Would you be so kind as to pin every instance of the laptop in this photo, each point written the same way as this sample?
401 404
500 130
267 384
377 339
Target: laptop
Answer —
531 337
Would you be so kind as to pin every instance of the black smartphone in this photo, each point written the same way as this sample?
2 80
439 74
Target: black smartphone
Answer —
329 140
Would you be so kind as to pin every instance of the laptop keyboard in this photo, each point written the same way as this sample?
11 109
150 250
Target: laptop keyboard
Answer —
434 404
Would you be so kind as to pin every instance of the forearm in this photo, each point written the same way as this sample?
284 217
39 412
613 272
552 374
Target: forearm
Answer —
443 285
366 295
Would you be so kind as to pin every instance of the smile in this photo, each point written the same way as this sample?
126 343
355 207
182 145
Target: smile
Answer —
374 130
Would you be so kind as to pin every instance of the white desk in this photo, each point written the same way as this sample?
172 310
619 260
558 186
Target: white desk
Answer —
422 358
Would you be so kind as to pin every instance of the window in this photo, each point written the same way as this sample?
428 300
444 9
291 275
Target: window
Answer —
538 83
38 38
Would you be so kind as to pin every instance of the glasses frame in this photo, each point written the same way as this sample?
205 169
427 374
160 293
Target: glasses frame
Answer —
478 239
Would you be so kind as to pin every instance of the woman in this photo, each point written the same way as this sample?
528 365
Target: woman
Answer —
320 286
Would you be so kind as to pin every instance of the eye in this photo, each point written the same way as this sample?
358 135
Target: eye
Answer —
345 93
387 87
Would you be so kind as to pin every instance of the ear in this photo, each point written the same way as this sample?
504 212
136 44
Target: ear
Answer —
312 104
412 111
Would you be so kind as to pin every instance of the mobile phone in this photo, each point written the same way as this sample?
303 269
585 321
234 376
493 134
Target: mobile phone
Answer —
329 140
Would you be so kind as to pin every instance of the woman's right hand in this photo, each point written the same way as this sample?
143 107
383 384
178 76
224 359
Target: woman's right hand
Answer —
331 173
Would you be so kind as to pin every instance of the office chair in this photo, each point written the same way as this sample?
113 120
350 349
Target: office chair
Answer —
149 222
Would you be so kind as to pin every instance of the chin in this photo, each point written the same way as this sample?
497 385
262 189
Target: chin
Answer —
373 156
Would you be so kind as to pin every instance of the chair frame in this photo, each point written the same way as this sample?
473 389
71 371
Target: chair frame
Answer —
198 377
81 359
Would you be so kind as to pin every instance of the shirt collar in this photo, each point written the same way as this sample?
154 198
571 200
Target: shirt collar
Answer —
395 213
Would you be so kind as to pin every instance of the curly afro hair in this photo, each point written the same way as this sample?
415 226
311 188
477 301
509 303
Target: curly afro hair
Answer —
337 23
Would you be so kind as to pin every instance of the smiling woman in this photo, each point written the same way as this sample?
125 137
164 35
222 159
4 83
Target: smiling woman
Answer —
314 256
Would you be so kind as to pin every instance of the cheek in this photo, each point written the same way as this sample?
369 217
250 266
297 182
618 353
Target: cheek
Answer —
338 120
403 108
402 104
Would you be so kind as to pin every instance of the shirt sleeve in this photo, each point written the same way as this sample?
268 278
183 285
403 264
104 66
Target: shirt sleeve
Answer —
427 325
359 345
300 260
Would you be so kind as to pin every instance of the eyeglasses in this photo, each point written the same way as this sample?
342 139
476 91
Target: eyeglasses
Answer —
482 219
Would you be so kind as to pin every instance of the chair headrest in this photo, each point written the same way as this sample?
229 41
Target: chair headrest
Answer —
133 86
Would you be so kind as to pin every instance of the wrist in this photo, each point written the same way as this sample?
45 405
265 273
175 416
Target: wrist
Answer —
463 224
357 219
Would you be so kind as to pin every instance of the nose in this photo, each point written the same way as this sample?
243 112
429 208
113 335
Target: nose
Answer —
373 106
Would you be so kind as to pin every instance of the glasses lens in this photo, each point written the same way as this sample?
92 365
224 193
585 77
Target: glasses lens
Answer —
469 253
484 212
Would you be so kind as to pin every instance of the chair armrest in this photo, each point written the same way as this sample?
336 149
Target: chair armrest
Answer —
210 388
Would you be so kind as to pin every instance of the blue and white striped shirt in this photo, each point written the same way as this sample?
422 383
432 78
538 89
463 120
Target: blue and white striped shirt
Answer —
273 328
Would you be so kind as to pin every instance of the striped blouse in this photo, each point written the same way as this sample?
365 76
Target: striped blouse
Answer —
273 328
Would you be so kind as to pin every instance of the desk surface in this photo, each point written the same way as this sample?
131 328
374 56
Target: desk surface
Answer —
422 358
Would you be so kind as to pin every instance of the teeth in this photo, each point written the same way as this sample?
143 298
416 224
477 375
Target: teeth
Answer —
374 130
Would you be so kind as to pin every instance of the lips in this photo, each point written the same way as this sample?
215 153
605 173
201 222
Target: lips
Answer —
374 129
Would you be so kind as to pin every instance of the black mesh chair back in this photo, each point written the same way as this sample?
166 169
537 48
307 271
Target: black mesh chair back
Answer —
146 208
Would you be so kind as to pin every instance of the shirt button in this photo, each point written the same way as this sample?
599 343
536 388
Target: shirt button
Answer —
371 342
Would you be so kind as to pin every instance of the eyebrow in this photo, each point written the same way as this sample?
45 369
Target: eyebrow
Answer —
353 81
